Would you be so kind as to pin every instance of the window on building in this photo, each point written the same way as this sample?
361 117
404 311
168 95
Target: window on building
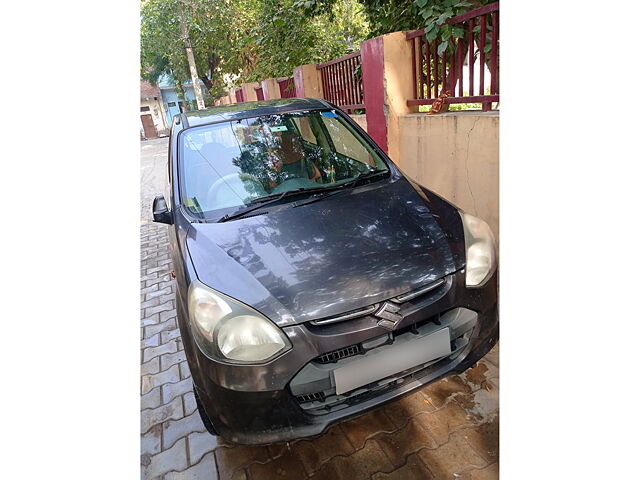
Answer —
144 109
172 104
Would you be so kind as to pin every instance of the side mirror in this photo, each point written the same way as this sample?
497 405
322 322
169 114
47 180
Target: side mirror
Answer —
161 213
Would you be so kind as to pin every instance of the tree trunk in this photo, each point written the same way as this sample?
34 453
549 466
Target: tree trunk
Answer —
192 63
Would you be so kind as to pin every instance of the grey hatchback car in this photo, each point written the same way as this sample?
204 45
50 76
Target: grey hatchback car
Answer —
315 281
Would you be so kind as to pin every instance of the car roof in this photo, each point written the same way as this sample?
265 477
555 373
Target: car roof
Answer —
237 111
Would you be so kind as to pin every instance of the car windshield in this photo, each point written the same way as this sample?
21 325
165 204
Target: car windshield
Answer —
232 164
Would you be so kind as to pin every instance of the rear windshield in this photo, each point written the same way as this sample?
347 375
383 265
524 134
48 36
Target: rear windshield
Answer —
231 164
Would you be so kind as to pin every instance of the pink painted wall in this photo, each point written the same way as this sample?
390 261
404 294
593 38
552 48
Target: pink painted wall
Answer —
372 55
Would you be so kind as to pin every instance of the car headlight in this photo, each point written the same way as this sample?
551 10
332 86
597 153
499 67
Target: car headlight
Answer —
481 253
228 330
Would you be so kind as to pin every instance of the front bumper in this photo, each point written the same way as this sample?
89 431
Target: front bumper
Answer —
254 404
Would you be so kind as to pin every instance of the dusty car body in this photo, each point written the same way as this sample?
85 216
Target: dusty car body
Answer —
310 303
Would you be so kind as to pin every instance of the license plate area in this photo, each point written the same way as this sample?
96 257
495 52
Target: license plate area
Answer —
391 360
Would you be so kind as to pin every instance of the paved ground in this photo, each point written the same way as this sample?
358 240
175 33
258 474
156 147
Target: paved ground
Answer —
448 430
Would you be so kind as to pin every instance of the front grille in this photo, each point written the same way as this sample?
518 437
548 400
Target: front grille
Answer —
314 388
336 355
311 397
426 293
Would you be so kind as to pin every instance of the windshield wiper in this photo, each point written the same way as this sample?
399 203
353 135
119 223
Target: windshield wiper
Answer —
263 202
362 176
273 198
349 184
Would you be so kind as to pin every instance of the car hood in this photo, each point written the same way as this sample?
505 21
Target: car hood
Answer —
348 251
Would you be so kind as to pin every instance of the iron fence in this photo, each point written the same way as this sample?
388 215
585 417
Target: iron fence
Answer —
342 81
478 47
287 87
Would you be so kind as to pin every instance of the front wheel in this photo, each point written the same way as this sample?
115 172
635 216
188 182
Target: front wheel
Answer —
203 415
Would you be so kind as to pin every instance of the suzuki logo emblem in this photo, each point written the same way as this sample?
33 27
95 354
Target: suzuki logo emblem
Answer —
389 316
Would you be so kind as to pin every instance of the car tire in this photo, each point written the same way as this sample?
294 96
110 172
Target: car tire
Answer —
203 415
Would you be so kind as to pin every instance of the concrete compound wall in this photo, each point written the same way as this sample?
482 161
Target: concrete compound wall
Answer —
361 120
455 155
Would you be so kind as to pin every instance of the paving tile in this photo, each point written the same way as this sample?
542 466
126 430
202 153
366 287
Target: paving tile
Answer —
401 411
149 276
485 404
150 342
164 316
150 442
172 430
167 306
149 418
440 392
169 359
366 426
475 377
157 465
492 374
440 423
285 467
484 439
169 324
490 472
452 458
494 355
151 352
151 399
168 335
149 382
154 302
316 451
201 443
184 370
151 320
361 464
172 390
233 458
158 293
205 469
151 367
414 468
400 444
189 401
150 288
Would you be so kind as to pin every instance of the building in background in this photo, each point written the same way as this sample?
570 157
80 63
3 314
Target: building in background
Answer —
172 104
153 116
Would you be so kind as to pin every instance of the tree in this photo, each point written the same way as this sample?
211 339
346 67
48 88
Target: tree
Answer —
245 40
217 30
287 34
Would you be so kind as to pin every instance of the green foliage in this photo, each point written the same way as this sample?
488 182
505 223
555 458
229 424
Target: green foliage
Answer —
293 32
386 16
245 40
236 41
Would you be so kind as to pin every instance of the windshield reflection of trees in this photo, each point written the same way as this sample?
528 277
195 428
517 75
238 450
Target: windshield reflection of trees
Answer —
261 155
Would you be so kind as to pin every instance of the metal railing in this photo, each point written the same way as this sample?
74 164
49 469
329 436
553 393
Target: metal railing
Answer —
287 87
342 81
479 47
